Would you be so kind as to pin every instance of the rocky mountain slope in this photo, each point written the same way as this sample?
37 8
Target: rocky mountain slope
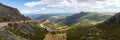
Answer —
113 19
10 14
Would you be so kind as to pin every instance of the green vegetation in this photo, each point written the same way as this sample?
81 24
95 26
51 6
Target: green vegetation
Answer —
77 31
1 38
108 30
93 17
112 29
54 26
36 33
92 32
82 33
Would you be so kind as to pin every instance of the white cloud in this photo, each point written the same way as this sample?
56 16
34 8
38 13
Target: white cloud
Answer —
25 12
31 4
76 4
42 10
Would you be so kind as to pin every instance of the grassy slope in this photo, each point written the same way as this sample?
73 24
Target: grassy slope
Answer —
86 17
113 30
99 32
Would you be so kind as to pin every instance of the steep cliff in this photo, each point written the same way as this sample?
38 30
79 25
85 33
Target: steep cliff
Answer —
10 14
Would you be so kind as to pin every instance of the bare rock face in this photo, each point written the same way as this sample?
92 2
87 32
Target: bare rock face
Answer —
113 19
10 14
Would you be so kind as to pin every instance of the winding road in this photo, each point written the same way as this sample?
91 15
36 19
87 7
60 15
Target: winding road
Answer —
54 34
2 24
50 30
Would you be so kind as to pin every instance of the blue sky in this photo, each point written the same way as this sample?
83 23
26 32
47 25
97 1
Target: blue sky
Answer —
63 6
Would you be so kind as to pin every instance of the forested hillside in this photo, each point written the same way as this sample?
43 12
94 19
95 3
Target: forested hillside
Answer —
91 17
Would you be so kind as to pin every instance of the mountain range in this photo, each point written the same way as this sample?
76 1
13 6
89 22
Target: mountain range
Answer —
51 17
91 17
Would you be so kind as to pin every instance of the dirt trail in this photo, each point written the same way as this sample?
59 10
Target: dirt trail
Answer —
54 34
50 36
4 24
